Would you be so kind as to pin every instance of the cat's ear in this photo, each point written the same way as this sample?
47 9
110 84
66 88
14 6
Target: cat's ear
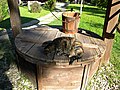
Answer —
46 51
72 52
46 43
72 40
78 43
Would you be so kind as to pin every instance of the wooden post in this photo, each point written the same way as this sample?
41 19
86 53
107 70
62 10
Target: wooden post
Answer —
15 17
110 24
39 77
85 77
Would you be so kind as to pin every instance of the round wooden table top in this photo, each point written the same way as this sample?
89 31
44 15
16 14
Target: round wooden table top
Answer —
28 44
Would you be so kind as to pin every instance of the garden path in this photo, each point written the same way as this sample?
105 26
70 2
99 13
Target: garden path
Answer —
60 8
42 21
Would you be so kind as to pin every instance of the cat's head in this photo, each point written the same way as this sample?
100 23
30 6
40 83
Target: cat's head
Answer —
78 48
49 48
77 43
72 39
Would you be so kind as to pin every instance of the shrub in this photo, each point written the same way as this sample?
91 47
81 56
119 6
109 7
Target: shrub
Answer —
63 0
3 9
50 5
35 8
100 3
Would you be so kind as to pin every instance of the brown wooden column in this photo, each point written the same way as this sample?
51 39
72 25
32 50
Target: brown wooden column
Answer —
111 20
15 17
39 77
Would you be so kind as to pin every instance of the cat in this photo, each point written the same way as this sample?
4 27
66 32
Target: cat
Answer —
67 46
76 51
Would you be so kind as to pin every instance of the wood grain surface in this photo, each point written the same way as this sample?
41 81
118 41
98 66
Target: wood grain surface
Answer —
29 44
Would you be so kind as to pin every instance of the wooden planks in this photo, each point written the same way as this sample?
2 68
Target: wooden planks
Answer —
70 22
110 24
29 43
53 71
54 78
26 40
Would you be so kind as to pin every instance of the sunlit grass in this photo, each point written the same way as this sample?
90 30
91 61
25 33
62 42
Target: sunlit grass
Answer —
26 16
25 13
115 55
92 19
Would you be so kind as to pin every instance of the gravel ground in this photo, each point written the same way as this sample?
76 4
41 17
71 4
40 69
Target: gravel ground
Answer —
106 78
12 79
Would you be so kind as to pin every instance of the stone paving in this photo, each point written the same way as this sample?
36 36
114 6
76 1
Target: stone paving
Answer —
42 21
47 18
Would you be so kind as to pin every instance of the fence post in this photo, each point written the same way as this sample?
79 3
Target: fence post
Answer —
110 24
14 17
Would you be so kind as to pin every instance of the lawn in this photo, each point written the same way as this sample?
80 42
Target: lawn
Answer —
25 16
92 19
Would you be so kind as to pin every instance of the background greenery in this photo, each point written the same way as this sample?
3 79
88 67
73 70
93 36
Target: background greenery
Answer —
100 3
26 16
35 8
50 5
92 19
3 9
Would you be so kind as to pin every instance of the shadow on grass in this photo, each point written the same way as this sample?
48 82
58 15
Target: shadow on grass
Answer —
6 58
94 24
6 23
94 10
90 9
97 15
74 7
80 30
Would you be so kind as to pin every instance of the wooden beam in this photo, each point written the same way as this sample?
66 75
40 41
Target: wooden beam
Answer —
15 17
110 25
118 27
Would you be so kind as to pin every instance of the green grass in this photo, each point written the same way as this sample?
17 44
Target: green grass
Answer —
92 19
25 17
115 55
24 13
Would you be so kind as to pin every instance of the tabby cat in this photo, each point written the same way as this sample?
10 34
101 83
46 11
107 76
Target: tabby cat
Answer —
67 46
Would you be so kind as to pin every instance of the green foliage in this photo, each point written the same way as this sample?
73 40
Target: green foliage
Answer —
50 5
92 19
1 29
100 3
26 16
66 0
35 8
115 55
3 9
63 0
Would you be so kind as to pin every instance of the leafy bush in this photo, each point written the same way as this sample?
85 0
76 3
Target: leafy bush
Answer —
3 9
35 8
100 3
50 5
63 0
